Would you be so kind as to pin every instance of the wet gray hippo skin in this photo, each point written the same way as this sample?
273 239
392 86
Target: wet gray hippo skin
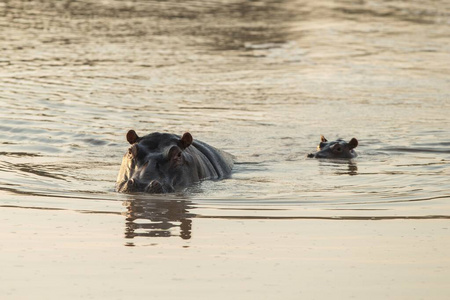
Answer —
165 163
335 149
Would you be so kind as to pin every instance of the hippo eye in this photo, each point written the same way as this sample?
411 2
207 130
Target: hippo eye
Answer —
338 149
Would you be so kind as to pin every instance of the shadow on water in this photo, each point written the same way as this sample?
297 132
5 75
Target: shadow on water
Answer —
408 11
148 216
425 149
252 25
352 169
341 166
246 23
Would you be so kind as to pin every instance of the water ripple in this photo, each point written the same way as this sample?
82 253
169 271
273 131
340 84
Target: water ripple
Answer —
261 80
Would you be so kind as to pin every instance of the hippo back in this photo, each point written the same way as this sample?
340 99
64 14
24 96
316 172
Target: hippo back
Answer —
220 163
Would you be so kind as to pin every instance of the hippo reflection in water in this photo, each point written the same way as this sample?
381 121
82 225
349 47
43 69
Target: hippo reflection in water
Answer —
335 149
165 163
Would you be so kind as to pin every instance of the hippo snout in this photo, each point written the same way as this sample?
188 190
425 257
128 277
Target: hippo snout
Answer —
155 187
131 185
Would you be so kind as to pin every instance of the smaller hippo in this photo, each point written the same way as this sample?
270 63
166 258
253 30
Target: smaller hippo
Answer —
335 149
166 163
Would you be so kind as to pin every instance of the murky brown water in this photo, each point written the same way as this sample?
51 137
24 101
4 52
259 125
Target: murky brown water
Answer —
261 80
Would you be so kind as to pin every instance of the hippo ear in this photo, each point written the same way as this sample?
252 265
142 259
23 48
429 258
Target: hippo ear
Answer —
132 137
353 143
185 141
323 139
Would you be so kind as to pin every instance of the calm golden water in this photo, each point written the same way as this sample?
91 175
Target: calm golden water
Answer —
261 80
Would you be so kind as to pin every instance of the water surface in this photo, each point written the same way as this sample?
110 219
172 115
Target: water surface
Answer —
261 80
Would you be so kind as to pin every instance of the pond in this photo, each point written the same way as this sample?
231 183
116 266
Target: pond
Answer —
262 80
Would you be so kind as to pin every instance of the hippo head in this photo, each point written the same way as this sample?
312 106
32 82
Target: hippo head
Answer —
156 163
335 149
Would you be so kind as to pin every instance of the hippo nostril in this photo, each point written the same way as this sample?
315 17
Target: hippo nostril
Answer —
154 187
131 182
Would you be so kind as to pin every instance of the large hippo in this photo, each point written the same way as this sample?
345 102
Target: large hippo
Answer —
335 149
165 163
